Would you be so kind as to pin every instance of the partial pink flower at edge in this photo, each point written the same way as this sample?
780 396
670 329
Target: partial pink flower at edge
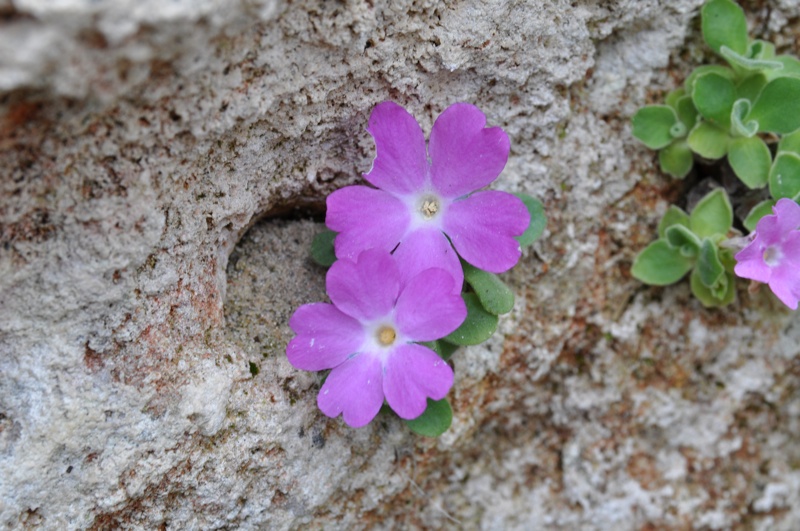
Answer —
419 205
773 255
368 338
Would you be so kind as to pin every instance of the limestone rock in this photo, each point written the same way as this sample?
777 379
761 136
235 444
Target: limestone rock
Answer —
163 168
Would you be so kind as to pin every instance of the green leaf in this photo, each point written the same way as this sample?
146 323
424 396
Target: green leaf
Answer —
477 327
652 125
684 240
446 349
750 87
757 212
708 141
713 215
791 67
673 97
724 24
790 143
659 264
758 49
436 419
750 159
676 159
721 295
746 65
739 128
708 267
705 69
322 248
538 220
440 347
496 298
713 96
687 112
784 177
776 109
673 216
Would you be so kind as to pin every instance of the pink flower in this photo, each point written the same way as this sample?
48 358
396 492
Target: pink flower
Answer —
367 337
773 257
420 203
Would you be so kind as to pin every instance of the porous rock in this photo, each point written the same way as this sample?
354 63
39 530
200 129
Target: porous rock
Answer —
163 169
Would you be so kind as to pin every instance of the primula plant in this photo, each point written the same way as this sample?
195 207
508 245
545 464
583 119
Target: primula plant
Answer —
413 262
744 114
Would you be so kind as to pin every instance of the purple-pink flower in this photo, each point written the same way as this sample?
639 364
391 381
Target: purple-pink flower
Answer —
773 256
424 197
368 337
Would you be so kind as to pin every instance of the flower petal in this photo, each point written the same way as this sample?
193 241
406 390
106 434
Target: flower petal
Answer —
427 308
788 213
426 248
325 337
750 263
365 218
785 284
413 374
482 228
464 155
355 389
400 164
366 289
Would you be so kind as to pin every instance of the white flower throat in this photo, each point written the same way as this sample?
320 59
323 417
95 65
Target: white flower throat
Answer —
772 256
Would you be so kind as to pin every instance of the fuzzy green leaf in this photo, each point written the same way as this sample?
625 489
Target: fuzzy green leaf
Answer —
776 109
705 69
750 87
708 141
709 268
322 248
724 24
791 67
436 419
659 264
713 215
739 128
673 216
653 124
722 294
750 159
673 97
684 240
496 298
676 159
790 143
477 327
784 176
757 212
538 220
746 65
713 96
686 111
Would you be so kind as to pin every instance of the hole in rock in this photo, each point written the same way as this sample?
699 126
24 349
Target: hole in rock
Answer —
270 274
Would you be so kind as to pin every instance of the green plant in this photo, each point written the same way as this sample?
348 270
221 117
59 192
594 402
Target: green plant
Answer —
736 110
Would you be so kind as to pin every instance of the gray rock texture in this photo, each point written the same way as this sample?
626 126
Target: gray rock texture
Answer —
162 165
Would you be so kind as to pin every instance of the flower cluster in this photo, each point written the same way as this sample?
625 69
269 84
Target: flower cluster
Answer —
398 263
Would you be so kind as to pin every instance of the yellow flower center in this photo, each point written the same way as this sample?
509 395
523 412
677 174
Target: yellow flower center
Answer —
386 335
429 208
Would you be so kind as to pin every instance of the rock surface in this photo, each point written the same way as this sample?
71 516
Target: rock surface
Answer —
161 168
